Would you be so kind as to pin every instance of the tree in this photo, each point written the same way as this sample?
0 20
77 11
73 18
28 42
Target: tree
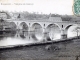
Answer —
77 29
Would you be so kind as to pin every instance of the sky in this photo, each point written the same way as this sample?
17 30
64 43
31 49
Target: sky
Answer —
61 7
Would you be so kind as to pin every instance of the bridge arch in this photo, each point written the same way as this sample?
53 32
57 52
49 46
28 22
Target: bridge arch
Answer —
11 28
23 30
12 25
69 25
59 25
36 24
53 31
37 32
23 26
67 28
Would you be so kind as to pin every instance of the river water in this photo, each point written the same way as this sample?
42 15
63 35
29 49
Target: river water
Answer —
13 38
24 37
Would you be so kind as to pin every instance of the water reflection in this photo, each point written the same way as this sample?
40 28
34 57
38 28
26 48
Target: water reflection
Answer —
37 33
24 34
15 38
23 37
53 32
8 34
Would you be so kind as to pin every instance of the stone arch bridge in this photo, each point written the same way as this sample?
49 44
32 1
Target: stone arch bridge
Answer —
30 25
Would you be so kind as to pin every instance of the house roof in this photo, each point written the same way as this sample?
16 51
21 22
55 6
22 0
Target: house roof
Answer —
55 19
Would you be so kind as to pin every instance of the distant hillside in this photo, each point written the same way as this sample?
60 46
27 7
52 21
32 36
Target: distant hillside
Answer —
32 16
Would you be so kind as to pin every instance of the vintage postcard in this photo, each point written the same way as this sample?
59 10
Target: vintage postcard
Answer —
39 29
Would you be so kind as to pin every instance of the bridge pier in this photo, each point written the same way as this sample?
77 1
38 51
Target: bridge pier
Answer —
17 34
45 35
63 34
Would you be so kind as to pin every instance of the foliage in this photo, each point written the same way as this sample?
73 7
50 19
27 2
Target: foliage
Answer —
35 15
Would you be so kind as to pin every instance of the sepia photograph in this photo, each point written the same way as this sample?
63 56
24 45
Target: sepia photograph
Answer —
39 29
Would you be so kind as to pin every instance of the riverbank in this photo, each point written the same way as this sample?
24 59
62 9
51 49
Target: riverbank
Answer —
68 50
39 43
